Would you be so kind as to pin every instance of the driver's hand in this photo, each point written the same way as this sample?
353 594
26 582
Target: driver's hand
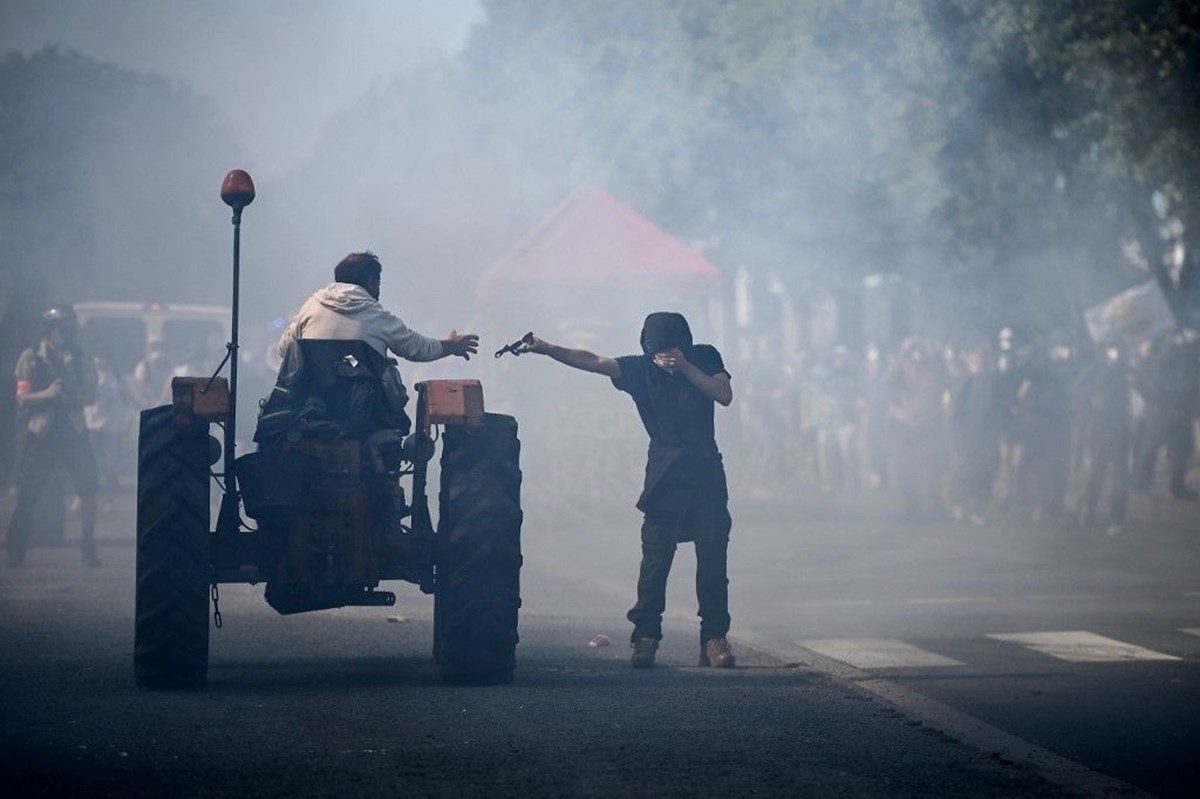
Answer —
464 345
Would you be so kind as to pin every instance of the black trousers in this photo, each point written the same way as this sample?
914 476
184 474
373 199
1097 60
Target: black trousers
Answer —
1046 467
39 456
707 523
1110 456
1174 431
978 464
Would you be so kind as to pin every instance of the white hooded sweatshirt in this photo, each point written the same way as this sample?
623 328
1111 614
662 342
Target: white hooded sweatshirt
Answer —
346 312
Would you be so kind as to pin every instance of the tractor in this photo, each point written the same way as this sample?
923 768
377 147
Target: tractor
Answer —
325 490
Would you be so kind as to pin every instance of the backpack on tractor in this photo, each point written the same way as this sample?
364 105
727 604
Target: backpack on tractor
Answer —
326 492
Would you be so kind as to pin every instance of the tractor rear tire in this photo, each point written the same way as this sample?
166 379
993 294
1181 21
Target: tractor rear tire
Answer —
174 546
478 570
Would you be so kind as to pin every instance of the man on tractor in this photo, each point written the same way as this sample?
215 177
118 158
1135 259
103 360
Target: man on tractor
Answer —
333 518
349 310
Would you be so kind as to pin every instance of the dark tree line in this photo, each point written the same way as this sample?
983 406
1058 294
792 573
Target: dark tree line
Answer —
107 187
1006 153
107 181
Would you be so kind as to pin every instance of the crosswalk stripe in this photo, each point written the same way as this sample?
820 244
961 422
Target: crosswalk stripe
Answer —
835 603
949 600
1078 646
877 653
1062 597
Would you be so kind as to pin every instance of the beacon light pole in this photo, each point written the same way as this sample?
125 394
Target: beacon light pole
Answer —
237 191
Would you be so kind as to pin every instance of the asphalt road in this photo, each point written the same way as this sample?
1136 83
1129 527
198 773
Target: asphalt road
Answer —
876 658
1026 642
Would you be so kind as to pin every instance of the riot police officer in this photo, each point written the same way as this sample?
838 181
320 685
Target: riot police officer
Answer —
55 380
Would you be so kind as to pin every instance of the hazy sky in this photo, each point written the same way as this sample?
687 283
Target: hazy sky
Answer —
277 70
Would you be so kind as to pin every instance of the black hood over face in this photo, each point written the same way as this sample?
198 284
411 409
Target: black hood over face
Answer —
664 330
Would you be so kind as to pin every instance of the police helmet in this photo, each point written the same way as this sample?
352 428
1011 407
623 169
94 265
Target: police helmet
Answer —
60 318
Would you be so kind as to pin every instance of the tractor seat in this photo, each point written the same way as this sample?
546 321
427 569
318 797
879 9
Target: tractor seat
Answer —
332 388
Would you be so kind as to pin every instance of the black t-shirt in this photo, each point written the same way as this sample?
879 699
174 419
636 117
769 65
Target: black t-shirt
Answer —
674 412
683 465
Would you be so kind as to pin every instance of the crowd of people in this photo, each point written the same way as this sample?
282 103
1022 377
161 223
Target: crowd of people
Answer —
1045 429
1052 430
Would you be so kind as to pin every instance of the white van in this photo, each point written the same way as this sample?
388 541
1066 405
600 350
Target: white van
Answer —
120 332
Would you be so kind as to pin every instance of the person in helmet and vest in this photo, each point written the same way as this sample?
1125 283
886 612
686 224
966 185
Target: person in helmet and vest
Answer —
55 380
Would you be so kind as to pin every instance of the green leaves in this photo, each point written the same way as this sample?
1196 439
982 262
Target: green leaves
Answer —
993 142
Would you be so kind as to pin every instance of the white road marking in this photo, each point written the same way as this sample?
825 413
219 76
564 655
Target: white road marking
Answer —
877 653
835 603
1078 646
1061 597
1190 630
949 600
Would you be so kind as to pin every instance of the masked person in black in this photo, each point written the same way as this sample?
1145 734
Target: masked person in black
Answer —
674 384
55 380
1108 416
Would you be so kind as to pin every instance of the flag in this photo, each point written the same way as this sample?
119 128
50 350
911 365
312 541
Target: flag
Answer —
1135 314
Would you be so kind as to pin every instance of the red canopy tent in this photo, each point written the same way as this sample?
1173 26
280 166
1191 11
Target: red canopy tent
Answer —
585 276
592 241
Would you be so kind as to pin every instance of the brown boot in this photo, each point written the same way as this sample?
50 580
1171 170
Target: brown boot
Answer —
643 653
716 653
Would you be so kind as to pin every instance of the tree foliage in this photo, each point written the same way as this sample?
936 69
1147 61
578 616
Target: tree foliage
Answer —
777 128
1132 69
1005 151
108 180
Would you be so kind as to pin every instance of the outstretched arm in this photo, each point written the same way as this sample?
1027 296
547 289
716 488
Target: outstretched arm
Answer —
578 359
412 346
